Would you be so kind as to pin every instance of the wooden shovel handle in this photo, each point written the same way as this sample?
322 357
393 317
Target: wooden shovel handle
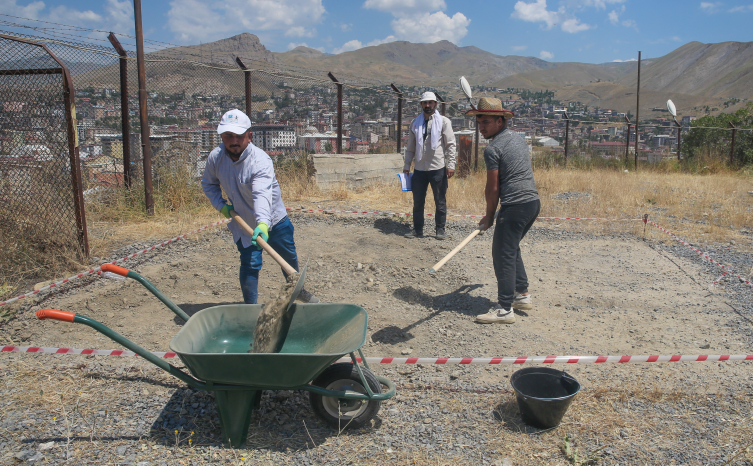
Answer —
460 246
260 241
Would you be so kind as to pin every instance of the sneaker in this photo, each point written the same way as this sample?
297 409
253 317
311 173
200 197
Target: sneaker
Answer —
497 315
440 234
414 234
522 302
307 297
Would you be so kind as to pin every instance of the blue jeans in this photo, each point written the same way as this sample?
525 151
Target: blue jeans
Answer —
281 240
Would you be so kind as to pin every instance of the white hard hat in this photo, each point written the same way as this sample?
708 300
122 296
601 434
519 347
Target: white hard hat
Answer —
428 96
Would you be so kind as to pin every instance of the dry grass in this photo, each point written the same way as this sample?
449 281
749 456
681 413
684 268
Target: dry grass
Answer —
701 208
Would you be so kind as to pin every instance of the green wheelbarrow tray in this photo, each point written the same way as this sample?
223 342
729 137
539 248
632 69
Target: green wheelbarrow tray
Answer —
213 345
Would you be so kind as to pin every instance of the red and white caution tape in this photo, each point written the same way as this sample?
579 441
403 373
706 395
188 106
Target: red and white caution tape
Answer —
433 361
703 255
376 212
97 269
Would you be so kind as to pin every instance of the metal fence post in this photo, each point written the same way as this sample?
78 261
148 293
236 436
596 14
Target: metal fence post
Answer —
567 135
475 163
638 110
679 130
339 113
399 116
443 106
247 76
627 139
143 111
125 123
732 147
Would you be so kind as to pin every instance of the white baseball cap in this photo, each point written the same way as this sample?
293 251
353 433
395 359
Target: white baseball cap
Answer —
428 96
234 121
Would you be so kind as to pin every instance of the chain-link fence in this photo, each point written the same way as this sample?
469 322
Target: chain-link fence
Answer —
40 193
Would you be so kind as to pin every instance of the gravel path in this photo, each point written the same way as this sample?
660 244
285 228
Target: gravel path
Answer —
611 293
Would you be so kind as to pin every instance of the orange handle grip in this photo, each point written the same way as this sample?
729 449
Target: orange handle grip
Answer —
114 269
55 314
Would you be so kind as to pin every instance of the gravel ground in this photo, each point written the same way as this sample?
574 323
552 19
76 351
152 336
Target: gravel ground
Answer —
613 292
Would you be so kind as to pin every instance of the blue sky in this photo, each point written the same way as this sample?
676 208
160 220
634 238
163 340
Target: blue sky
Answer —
589 31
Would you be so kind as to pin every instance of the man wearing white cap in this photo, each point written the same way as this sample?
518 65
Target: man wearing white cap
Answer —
431 149
247 175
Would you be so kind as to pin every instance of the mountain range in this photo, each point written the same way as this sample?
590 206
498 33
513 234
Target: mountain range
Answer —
694 75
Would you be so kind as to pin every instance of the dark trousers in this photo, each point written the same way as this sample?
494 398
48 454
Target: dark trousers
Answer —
419 183
513 222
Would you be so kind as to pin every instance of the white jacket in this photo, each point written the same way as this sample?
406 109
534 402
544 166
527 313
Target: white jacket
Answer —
445 154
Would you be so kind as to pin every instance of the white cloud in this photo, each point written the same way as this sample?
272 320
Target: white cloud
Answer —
405 7
117 16
432 27
617 60
193 20
711 7
519 48
345 27
418 21
741 9
593 3
544 55
349 46
629 23
573 25
614 17
537 12
293 45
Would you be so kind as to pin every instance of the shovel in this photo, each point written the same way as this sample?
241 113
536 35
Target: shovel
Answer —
281 326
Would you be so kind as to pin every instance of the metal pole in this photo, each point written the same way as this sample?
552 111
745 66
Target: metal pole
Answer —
125 122
399 116
627 139
443 106
339 113
247 76
638 110
567 135
679 129
475 163
146 146
732 148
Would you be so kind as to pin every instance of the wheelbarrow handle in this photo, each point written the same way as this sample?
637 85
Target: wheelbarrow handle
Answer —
285 266
117 270
55 314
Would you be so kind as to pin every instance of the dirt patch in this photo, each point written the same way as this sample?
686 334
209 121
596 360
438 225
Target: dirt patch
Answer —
268 336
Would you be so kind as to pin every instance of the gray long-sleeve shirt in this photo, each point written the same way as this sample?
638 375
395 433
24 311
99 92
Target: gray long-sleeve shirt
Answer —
250 185
445 154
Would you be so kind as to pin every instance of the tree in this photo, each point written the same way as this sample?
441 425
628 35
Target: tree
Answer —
328 147
712 133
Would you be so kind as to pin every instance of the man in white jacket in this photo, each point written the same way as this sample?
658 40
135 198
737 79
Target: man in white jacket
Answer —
431 149
247 176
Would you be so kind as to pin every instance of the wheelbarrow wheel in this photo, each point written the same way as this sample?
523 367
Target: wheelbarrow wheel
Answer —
343 413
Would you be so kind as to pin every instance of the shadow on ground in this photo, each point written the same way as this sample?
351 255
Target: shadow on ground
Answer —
283 422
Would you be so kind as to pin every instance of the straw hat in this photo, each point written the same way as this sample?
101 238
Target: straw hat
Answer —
490 106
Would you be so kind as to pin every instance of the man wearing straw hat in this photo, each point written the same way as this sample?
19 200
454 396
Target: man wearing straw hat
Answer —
247 176
509 184
431 148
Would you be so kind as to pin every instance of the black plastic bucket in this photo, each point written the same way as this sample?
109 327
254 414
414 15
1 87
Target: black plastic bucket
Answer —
543 394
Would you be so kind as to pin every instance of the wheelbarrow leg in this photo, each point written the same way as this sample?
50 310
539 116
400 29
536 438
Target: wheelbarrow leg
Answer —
235 408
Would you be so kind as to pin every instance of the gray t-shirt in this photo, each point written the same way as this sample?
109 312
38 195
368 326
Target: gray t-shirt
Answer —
508 153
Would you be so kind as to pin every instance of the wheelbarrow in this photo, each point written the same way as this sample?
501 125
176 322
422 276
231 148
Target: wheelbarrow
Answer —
213 346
